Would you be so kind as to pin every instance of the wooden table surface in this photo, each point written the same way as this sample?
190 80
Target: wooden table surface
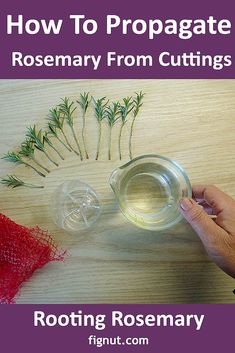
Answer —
191 121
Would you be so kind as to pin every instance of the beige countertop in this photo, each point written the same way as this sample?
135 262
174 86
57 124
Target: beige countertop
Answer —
190 121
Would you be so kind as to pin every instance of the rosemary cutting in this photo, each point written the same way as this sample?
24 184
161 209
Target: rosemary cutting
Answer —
56 121
125 109
14 182
100 105
84 103
38 140
111 113
52 131
137 102
16 158
67 109
48 141
27 151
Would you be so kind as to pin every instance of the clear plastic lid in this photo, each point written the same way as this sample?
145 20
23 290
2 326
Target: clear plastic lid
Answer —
75 206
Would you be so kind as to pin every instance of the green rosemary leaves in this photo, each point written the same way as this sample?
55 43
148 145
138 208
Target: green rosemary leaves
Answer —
14 182
55 123
100 106
84 103
38 139
125 109
112 115
27 150
16 158
62 116
67 108
48 141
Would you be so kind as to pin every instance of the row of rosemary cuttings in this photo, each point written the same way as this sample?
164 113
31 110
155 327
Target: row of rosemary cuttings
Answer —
64 113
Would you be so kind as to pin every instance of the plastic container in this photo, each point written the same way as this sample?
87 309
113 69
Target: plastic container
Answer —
75 206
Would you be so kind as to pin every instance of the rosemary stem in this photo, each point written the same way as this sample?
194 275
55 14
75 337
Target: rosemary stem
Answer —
83 135
30 166
77 143
50 159
61 157
62 142
110 139
130 138
40 165
98 143
119 140
68 143
33 186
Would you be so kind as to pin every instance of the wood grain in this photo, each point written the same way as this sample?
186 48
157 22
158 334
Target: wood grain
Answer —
191 121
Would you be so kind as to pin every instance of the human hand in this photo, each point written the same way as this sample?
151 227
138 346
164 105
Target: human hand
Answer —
211 213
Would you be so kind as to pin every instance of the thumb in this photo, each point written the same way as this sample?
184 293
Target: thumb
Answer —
204 226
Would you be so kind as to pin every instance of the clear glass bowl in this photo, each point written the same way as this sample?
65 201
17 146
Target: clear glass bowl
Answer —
75 206
149 189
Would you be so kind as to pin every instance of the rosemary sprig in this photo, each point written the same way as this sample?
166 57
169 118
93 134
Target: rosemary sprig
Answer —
137 102
38 140
111 113
27 151
84 103
56 121
100 105
16 158
67 109
14 182
48 141
52 131
125 109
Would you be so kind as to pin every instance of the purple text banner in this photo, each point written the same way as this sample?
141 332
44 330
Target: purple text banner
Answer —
146 328
126 39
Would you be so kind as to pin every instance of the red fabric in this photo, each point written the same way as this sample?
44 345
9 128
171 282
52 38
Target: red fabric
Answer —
22 251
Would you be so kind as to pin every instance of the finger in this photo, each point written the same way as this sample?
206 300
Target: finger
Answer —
205 227
214 197
205 206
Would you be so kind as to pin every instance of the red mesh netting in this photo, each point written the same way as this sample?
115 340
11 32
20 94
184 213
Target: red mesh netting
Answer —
22 251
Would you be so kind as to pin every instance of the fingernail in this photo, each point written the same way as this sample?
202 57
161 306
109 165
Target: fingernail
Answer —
186 204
